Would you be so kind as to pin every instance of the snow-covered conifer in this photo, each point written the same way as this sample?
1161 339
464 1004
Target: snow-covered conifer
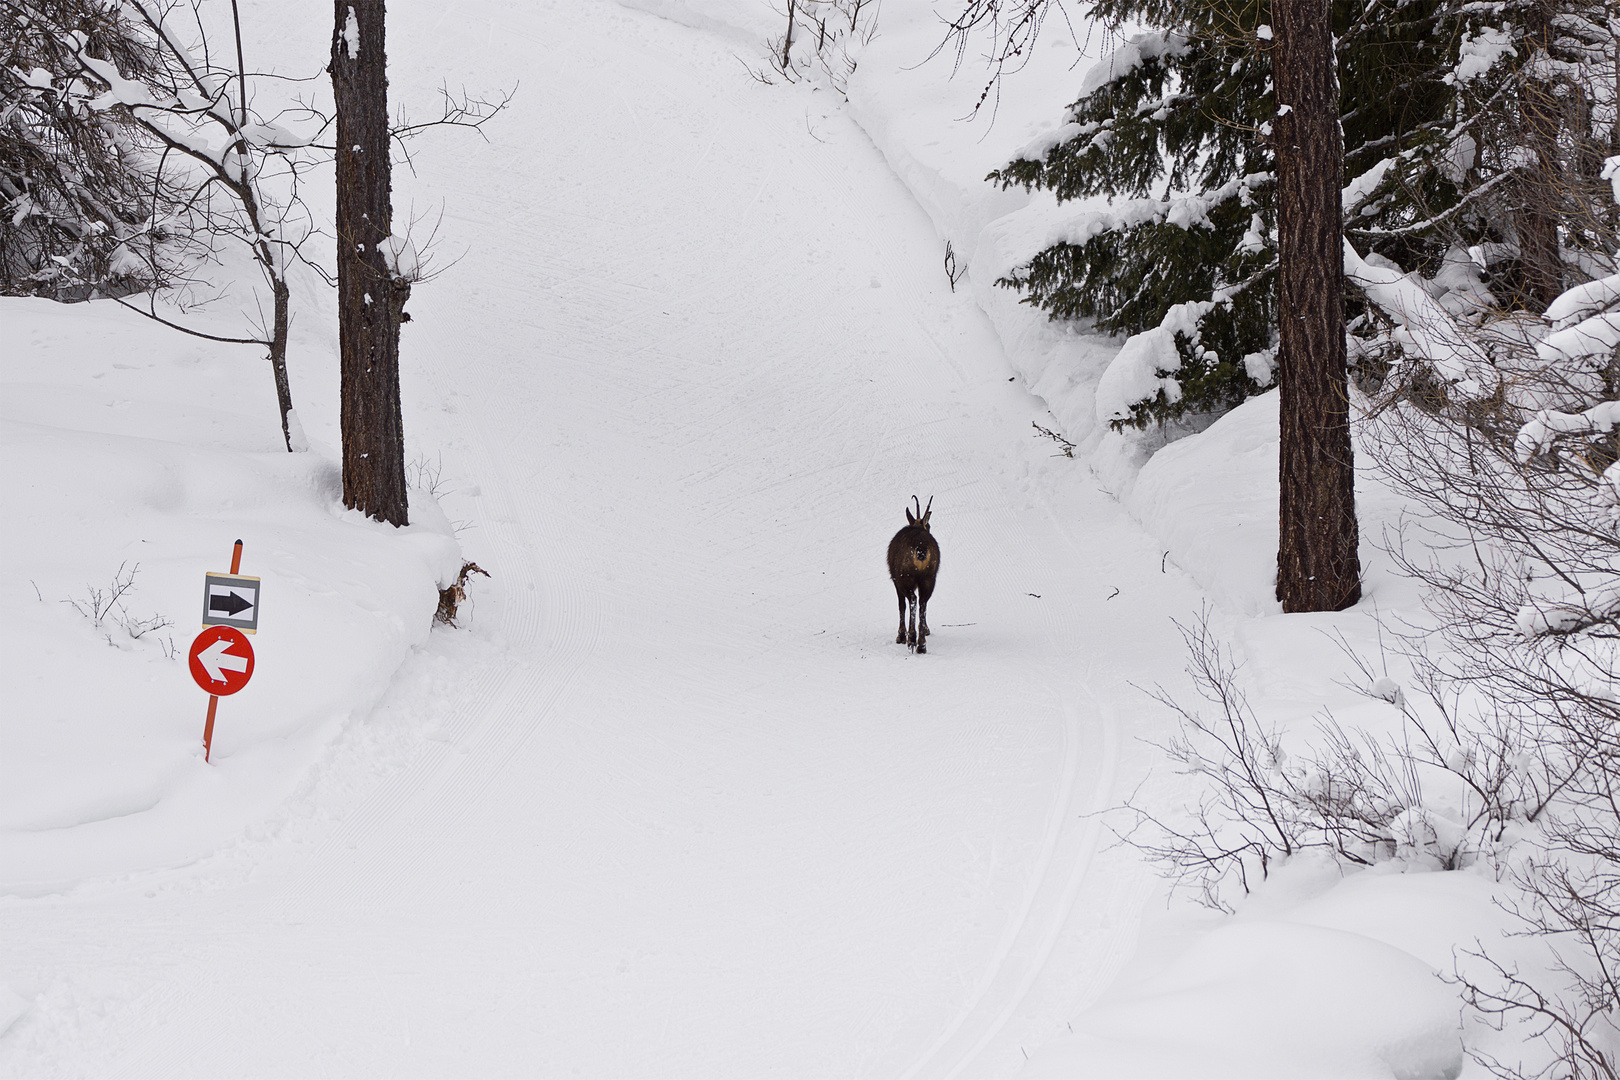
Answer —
1470 131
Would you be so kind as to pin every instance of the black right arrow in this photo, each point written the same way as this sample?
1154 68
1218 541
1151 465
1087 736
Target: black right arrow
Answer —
231 604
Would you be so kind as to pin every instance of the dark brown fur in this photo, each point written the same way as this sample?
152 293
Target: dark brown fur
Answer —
913 565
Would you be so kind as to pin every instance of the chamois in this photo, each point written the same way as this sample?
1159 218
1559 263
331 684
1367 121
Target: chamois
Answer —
913 564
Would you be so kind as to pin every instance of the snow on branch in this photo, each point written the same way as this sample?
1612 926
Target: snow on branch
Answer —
1100 132
1426 330
1593 296
1147 364
1586 321
1125 59
1478 53
1538 436
1596 607
1590 337
1183 211
120 91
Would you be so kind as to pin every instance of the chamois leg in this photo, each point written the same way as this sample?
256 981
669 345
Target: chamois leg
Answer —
925 589
900 638
911 621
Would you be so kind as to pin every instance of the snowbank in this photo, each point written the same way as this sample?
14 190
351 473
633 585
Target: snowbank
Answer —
1318 975
1270 999
136 457
1212 502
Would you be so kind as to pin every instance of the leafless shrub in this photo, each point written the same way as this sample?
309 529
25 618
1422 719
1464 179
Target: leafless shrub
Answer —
101 606
1359 798
98 604
1519 551
1574 1023
427 475
819 37
139 628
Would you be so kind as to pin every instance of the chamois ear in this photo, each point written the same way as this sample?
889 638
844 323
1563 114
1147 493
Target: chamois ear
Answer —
909 519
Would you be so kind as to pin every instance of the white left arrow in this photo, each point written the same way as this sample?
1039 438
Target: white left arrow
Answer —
216 660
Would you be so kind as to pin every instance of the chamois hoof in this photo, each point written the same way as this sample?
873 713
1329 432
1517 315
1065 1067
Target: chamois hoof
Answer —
922 646
900 639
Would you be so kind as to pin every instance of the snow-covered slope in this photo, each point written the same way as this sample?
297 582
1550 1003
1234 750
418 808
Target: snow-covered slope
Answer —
136 458
673 802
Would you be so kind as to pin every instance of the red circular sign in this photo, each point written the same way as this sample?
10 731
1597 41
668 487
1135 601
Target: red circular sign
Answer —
221 660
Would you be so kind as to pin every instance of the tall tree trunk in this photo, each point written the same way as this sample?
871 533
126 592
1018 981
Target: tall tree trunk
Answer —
1318 565
1544 180
371 300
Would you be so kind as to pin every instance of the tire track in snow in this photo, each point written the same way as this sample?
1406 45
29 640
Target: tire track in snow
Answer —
1087 965
1027 945
1047 933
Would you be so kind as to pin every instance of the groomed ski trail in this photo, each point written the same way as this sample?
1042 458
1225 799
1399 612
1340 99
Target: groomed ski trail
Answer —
676 804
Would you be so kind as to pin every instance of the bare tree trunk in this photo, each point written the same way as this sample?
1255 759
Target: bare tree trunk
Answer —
1318 565
278 285
787 42
371 300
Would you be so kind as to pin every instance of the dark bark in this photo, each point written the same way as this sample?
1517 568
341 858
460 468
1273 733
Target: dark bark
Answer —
1318 565
1542 182
371 301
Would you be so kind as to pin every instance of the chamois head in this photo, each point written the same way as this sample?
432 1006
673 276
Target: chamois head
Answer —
922 515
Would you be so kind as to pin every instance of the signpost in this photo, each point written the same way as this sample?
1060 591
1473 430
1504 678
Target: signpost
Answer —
221 659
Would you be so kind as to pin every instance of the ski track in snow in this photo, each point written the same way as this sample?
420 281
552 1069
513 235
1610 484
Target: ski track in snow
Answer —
676 804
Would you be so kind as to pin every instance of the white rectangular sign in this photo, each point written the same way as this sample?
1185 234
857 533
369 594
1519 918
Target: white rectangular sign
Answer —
229 600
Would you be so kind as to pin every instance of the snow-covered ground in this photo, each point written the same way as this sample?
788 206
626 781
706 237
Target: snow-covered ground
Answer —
671 802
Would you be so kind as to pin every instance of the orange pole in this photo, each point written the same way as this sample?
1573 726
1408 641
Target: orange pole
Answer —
236 559
208 728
